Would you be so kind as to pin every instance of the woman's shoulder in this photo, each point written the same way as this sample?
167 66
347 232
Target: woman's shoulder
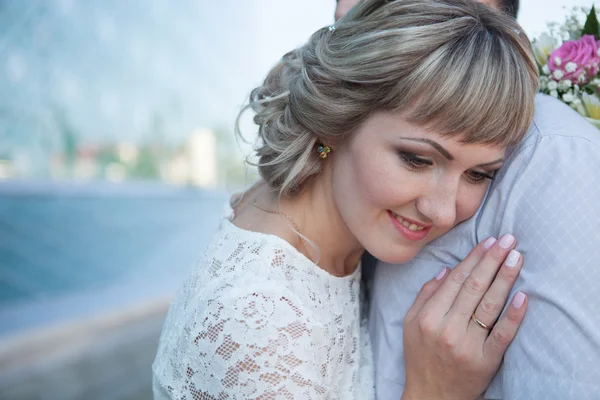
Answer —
240 253
238 260
236 253
239 257
241 291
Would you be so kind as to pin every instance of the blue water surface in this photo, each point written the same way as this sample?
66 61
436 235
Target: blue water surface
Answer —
70 249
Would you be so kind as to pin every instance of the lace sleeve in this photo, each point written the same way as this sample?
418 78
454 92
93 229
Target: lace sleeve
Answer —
251 343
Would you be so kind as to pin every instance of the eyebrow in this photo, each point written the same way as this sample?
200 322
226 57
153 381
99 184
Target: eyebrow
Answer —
498 161
433 144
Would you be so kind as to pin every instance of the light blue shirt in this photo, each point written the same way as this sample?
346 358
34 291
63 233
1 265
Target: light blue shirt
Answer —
548 195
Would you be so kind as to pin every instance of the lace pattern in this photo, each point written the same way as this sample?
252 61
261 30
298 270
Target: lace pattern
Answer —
256 319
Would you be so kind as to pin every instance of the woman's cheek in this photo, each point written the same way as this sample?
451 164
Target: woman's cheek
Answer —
377 181
388 194
469 202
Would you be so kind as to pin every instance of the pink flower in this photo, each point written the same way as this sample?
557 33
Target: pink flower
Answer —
577 60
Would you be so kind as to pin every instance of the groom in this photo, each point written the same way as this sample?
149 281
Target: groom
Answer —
548 195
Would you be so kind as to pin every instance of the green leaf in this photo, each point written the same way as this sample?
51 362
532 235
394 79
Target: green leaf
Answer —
591 27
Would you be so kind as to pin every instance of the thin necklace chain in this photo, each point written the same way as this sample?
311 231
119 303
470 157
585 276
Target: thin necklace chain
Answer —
289 218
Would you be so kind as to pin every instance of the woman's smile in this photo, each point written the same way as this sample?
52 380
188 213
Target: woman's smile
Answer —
410 229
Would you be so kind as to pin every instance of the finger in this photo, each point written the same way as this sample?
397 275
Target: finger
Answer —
479 281
492 304
442 300
505 330
425 294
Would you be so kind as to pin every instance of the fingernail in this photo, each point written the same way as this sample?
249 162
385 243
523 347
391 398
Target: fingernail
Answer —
506 241
489 243
512 259
442 274
519 300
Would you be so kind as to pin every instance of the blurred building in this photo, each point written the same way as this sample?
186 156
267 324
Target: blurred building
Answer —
202 153
195 163
6 169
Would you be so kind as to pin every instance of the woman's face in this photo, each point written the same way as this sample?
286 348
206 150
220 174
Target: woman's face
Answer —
398 186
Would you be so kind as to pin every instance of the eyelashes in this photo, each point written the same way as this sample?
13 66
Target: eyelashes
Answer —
477 177
414 161
418 163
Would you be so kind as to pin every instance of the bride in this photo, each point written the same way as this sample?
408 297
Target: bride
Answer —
381 133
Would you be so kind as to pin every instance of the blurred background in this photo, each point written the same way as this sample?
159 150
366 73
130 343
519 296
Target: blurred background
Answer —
117 154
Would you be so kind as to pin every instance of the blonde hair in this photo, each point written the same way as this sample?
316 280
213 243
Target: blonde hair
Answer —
455 66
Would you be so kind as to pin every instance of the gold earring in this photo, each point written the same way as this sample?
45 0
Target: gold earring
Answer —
323 150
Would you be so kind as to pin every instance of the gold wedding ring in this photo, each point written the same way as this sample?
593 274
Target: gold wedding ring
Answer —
481 324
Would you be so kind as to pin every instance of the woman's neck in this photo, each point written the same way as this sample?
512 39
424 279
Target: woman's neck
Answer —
315 213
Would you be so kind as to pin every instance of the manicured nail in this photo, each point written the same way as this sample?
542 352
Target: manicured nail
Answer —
489 243
519 300
506 241
442 274
512 259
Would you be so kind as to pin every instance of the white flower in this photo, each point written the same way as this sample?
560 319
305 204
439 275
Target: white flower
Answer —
592 105
554 94
557 61
558 74
568 97
577 105
543 47
546 69
552 85
565 84
571 67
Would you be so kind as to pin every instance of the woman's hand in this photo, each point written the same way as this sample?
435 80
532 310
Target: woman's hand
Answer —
453 345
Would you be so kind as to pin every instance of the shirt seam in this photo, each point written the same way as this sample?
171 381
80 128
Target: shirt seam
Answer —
542 135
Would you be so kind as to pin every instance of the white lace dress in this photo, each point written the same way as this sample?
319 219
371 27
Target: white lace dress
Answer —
256 319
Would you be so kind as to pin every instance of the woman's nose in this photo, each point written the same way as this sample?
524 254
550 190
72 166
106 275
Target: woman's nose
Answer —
439 206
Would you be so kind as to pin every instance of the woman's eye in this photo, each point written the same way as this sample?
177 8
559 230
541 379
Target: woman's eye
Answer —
479 177
414 161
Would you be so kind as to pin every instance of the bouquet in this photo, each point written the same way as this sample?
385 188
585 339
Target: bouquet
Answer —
569 60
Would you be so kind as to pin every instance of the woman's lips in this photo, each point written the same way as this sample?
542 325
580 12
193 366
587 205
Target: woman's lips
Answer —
413 231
